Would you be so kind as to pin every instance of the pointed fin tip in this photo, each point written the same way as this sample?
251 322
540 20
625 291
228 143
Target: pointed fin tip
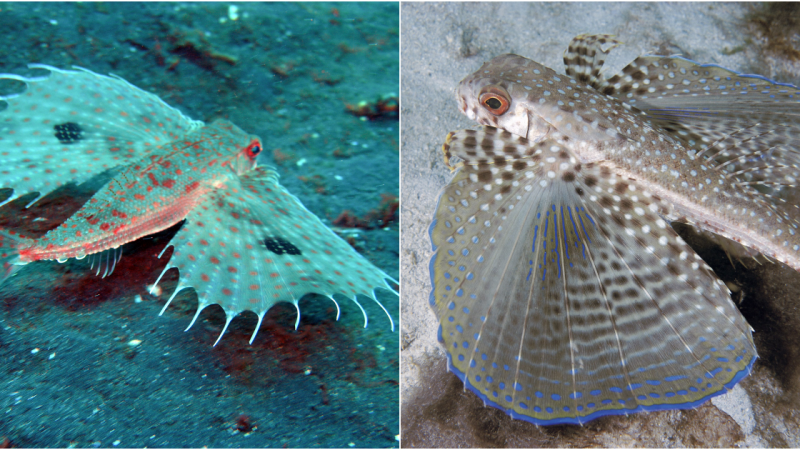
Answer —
162 253
391 321
152 289
297 307
258 326
338 311
200 308
228 319
10 199
355 300
38 197
178 288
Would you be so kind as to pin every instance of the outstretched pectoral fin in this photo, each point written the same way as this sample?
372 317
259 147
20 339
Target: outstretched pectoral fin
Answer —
563 295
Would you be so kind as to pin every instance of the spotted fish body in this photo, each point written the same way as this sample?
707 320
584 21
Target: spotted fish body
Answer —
246 243
563 292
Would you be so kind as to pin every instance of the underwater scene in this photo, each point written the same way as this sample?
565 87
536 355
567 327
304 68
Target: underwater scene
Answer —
150 221
600 214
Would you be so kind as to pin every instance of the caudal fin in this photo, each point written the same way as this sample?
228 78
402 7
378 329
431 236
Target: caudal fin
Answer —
9 254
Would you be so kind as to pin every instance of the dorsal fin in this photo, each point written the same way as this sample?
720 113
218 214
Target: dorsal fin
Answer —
586 55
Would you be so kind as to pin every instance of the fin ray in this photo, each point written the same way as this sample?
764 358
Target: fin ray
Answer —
286 252
622 315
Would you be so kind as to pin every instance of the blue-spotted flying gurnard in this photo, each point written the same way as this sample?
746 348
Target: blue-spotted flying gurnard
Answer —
562 290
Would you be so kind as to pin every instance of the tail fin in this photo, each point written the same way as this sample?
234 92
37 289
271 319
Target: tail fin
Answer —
9 253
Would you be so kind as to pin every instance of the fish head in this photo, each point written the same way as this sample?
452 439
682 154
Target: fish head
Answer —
245 160
525 98
245 149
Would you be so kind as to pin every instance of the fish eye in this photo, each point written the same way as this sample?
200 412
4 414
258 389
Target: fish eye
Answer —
495 99
253 149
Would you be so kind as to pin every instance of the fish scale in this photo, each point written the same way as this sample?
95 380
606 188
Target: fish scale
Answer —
562 291
246 243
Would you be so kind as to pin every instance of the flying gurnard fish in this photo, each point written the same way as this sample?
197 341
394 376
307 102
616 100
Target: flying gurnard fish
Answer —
246 243
562 291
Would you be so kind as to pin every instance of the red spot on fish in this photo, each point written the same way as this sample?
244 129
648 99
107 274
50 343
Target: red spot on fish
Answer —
253 287
192 186
168 183
105 226
232 269
138 196
212 162
214 260
152 178
204 277
227 291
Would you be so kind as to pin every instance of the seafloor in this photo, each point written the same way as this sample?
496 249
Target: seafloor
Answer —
444 42
286 72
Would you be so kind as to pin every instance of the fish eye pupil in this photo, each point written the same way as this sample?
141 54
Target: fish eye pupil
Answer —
493 103
256 149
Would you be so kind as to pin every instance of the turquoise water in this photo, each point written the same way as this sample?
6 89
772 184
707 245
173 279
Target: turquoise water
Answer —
285 72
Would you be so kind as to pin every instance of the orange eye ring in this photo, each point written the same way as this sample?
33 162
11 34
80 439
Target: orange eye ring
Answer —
495 99
253 149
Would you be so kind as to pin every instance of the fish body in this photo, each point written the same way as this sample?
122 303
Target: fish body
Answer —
602 128
151 194
563 292
246 243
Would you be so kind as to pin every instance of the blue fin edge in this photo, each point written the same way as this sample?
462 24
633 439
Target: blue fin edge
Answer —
580 420
740 74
